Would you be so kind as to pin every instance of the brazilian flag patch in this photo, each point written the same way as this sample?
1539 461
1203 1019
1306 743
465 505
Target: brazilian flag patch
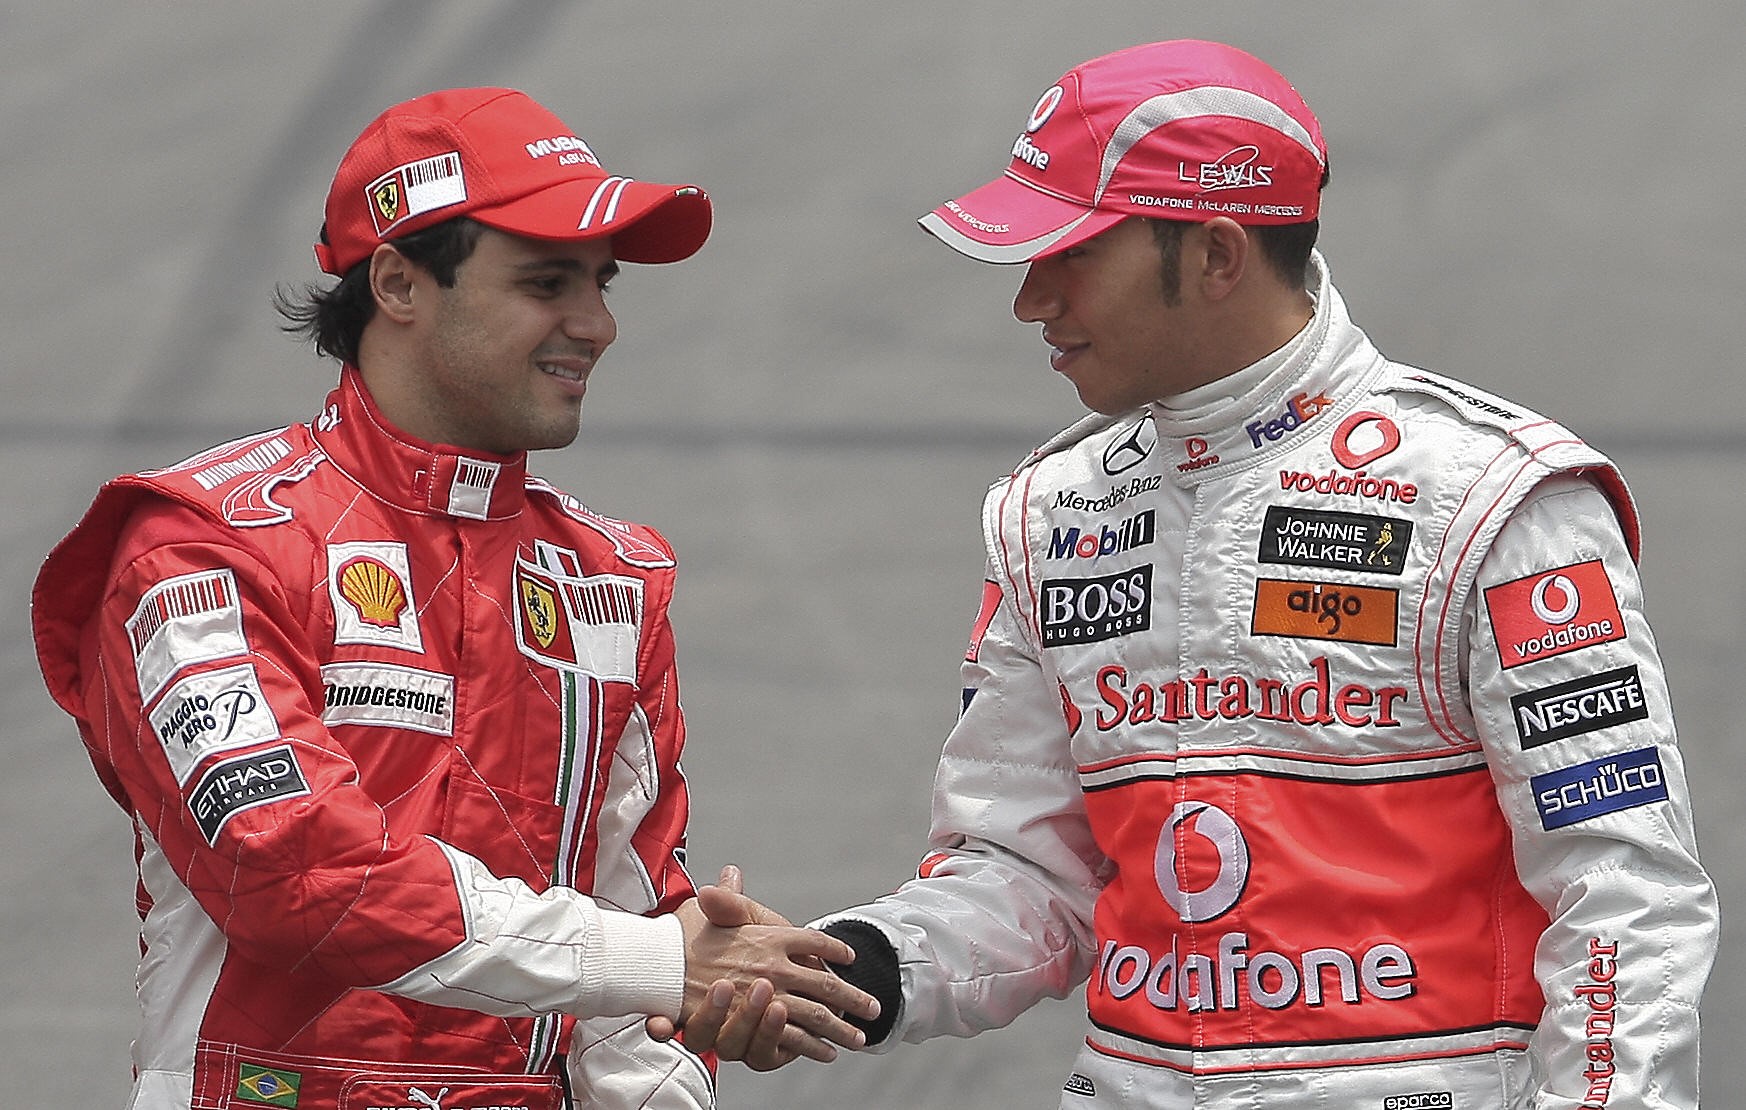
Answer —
268 1085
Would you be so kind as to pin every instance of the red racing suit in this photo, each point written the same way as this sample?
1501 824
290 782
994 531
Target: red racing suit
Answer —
1316 722
399 731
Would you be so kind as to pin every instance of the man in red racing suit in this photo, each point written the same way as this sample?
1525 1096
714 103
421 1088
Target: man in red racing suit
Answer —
397 723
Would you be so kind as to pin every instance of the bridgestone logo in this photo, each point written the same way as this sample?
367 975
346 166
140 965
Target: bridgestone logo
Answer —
384 694
1580 706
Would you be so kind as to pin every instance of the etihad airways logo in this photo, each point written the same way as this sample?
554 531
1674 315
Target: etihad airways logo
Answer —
1198 837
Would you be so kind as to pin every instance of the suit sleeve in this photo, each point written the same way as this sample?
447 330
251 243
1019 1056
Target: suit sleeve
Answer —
1572 705
204 699
1000 914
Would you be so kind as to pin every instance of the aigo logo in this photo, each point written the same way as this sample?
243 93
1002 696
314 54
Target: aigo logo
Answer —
1325 611
1553 612
1214 825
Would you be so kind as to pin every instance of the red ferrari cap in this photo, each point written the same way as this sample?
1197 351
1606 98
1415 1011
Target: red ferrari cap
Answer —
499 157
1181 130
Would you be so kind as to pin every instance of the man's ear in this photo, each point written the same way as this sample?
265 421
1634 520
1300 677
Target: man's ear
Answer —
393 279
1226 257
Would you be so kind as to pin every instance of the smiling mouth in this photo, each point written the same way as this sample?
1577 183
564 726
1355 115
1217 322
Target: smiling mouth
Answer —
1061 355
567 373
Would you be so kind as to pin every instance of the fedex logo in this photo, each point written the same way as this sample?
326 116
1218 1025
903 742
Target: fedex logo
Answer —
1298 412
1553 612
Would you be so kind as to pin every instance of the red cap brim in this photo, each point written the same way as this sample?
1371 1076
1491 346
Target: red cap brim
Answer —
1009 221
647 222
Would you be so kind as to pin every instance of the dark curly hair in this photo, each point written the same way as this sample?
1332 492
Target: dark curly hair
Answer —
333 319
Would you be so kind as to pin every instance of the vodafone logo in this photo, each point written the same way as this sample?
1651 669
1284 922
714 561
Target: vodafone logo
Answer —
1555 611
1046 105
1555 599
1197 972
1199 455
1364 437
1214 825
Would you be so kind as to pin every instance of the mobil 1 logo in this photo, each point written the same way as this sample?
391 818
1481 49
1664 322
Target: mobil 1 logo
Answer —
1086 610
1585 704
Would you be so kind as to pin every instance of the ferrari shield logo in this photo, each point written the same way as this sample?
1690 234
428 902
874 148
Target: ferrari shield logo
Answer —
387 198
541 607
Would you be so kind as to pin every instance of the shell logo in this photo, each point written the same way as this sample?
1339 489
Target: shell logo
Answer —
374 590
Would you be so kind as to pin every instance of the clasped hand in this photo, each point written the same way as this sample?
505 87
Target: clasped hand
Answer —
756 987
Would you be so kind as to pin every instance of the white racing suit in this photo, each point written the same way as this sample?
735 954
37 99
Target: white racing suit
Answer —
1323 732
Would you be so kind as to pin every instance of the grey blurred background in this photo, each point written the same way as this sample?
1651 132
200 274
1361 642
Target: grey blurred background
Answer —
1541 198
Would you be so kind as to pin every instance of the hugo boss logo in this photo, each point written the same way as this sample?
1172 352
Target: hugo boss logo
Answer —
1086 610
1325 611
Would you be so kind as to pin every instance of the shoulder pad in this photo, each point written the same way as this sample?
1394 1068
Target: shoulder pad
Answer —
1079 432
235 481
1539 435
636 544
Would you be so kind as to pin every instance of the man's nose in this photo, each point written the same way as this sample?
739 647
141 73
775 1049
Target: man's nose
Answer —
1038 298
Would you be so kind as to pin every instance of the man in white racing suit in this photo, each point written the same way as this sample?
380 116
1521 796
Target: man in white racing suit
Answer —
1312 718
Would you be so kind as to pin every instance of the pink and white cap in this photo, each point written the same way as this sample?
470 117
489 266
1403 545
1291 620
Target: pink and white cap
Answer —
1182 130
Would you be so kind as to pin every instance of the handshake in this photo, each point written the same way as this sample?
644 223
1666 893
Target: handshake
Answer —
758 989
